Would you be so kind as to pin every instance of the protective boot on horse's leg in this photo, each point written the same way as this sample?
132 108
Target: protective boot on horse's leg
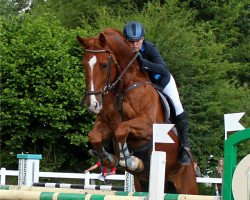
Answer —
181 120
108 146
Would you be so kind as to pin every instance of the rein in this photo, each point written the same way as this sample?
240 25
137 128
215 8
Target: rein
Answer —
119 78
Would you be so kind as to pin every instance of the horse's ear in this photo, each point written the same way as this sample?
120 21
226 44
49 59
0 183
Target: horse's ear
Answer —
102 39
80 40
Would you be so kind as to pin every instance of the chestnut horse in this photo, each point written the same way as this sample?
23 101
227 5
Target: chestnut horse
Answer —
127 105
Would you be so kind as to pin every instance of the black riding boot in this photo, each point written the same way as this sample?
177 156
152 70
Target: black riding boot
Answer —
182 128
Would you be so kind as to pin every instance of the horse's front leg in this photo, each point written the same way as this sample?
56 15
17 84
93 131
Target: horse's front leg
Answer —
128 161
102 132
140 130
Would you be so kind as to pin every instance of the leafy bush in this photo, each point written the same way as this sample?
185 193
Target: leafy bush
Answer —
42 82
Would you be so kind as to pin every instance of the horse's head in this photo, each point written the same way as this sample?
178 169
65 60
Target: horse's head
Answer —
100 70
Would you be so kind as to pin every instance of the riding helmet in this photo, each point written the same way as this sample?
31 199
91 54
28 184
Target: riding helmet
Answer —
133 31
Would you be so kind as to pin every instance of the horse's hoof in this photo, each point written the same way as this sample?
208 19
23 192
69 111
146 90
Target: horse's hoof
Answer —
133 164
140 167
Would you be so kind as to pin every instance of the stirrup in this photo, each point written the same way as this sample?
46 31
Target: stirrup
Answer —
185 156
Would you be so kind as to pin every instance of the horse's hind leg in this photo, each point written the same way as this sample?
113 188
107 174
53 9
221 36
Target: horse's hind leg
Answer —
169 187
140 185
185 180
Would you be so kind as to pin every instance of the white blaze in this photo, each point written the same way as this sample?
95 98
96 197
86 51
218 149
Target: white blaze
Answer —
94 105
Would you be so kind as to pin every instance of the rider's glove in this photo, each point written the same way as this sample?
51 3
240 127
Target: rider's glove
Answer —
140 60
141 63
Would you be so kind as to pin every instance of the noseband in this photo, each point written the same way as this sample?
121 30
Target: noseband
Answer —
107 87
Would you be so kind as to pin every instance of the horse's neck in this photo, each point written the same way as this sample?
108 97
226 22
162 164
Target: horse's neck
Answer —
124 54
134 74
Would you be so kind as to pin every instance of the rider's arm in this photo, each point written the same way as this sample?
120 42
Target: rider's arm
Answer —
91 168
112 172
153 62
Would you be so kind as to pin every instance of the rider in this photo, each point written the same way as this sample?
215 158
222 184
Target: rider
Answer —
151 62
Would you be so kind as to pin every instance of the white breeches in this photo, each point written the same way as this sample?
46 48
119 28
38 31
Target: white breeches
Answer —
171 91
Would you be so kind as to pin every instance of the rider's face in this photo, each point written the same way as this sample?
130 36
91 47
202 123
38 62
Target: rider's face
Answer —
136 45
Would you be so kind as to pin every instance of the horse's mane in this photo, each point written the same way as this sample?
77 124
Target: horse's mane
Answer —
116 40
112 30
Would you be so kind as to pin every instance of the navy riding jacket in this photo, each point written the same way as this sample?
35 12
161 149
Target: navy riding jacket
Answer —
154 65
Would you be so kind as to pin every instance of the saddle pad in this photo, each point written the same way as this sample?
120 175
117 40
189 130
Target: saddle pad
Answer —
165 105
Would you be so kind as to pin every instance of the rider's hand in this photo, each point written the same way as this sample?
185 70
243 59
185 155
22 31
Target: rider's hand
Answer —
139 59
105 174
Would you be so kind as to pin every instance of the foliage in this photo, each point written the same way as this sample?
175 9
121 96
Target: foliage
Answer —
229 22
41 87
13 7
80 13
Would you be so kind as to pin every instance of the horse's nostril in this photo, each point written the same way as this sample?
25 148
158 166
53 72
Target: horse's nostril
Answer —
96 105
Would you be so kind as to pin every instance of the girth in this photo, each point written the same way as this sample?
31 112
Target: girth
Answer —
120 96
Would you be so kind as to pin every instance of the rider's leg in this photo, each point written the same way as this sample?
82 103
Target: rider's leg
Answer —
182 128
181 120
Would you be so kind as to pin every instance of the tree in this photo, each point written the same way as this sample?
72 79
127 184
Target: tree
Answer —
13 7
229 22
41 85
79 13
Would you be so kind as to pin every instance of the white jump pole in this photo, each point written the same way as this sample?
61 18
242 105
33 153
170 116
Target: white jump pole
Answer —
158 162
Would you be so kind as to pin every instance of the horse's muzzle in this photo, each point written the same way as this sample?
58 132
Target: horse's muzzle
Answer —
94 105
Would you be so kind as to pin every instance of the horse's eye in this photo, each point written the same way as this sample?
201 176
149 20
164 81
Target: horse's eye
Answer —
103 65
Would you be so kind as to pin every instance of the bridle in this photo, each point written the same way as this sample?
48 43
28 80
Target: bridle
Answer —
108 86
